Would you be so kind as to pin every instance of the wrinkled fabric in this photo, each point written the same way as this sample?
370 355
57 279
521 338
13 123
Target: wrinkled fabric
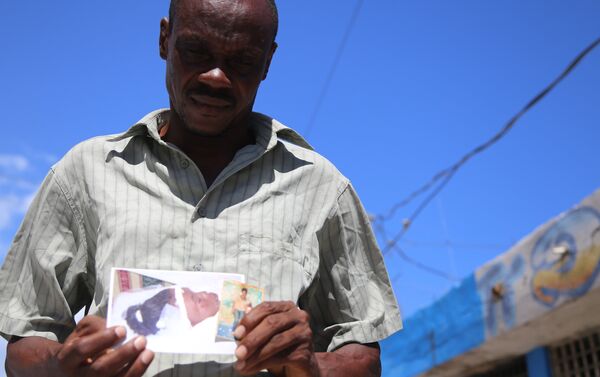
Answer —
279 213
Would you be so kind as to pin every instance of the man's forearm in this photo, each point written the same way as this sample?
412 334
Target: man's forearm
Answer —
30 357
351 360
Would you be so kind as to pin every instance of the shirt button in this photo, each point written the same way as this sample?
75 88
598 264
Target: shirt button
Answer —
202 212
185 164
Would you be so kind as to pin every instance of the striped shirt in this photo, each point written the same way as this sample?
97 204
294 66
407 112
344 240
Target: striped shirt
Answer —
279 213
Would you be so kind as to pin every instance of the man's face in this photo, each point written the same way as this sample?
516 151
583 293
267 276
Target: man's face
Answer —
244 293
200 305
217 53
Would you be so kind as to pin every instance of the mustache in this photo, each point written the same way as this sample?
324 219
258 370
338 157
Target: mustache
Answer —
224 94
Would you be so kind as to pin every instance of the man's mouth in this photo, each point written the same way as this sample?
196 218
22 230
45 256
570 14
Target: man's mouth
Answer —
211 101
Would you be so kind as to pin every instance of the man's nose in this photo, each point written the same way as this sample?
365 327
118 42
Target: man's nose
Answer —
215 78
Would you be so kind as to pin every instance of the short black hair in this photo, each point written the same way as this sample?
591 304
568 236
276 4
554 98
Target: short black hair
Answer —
244 290
272 4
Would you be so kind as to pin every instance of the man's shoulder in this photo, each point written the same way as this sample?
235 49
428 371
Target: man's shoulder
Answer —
100 149
292 144
90 151
314 158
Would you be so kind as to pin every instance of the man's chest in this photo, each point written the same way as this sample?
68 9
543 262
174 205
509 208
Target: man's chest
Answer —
262 227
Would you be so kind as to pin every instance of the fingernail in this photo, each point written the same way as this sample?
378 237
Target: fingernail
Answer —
147 356
139 343
120 331
239 332
241 352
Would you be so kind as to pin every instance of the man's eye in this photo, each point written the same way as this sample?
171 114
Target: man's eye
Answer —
244 61
196 54
243 64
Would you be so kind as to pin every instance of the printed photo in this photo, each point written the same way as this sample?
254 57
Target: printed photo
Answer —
175 311
237 299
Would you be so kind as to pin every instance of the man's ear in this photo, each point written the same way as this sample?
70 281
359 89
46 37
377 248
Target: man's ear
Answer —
269 58
163 41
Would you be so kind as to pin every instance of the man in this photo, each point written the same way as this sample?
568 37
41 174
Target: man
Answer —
208 185
241 305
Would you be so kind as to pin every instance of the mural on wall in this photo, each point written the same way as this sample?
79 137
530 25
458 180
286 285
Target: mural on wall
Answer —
496 288
566 258
556 264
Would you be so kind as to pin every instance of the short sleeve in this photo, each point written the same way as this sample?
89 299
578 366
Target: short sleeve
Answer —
43 280
351 299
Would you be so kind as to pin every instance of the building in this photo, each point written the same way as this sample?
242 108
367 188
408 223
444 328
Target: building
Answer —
533 311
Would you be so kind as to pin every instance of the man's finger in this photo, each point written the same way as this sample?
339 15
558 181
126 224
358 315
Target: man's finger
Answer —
77 350
90 325
139 366
256 315
112 362
270 329
282 343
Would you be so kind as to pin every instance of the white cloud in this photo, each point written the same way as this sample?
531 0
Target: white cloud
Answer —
26 202
19 181
16 183
14 162
13 206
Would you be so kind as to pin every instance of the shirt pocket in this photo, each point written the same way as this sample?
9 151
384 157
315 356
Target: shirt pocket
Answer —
252 243
276 256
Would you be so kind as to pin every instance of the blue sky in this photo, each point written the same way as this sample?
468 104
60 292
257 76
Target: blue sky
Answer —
419 84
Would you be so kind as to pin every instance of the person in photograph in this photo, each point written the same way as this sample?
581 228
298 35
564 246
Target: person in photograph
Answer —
241 306
211 185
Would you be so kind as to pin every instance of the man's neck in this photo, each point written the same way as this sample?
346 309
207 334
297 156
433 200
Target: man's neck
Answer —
211 154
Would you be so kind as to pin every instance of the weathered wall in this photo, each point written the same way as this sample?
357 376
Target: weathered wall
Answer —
449 327
534 280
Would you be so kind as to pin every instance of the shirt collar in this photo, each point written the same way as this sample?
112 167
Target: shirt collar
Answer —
148 125
267 130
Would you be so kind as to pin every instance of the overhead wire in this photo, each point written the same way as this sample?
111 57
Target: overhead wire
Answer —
400 252
443 177
452 169
334 66
447 174
422 266
455 244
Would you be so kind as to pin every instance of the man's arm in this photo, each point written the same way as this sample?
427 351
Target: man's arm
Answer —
29 356
350 360
277 336
86 352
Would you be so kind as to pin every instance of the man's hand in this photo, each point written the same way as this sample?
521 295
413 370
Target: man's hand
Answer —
86 352
276 336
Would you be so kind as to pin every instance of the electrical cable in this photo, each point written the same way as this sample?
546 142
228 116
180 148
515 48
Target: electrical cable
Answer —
451 170
447 174
336 62
402 254
423 266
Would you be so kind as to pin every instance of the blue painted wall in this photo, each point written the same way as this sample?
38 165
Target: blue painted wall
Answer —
538 363
534 279
449 327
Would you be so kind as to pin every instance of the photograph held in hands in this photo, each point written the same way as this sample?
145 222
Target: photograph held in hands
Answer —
237 299
177 312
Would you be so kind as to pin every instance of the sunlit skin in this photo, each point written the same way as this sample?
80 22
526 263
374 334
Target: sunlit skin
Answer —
242 303
217 53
